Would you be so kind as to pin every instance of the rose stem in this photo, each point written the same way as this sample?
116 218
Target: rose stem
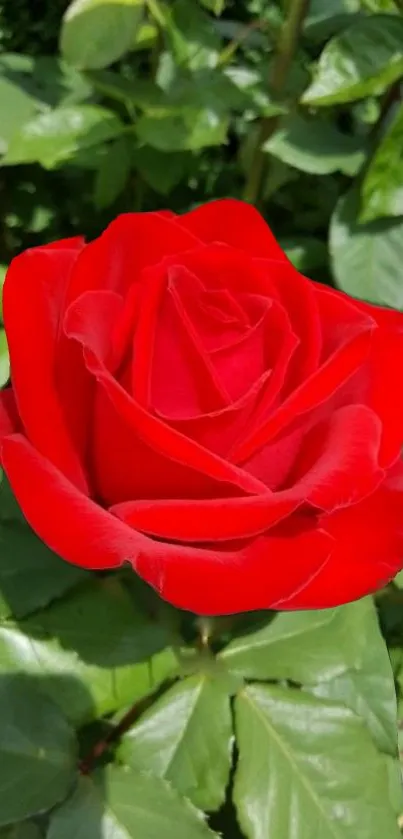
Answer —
287 44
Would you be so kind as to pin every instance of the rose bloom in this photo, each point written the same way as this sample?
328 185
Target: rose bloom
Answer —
185 401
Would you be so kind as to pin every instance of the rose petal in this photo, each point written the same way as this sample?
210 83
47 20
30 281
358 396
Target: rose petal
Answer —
165 440
234 223
340 318
368 552
210 520
203 581
34 295
9 418
214 582
114 261
64 518
125 466
131 420
316 390
296 295
338 465
93 317
219 430
166 340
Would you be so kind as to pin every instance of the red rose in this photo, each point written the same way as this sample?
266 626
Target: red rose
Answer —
187 402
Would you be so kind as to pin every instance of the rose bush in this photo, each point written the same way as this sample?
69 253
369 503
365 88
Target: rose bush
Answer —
184 400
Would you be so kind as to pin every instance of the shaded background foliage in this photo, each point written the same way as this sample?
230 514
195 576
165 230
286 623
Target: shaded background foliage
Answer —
119 716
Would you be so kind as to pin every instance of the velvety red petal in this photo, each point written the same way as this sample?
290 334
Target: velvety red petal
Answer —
93 316
9 418
379 382
33 303
165 340
72 243
244 362
129 418
339 461
222 268
385 390
341 320
125 466
215 582
316 390
233 223
114 261
70 523
296 295
165 440
219 430
208 520
367 553
75 390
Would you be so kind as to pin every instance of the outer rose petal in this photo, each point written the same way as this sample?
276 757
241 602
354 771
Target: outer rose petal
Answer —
34 294
64 518
214 582
377 381
233 223
367 554
339 461
208 520
9 419
203 581
134 240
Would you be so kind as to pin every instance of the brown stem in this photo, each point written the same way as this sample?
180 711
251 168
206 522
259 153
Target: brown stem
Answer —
236 42
88 763
286 47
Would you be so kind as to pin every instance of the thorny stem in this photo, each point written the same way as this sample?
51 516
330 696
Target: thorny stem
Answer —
286 47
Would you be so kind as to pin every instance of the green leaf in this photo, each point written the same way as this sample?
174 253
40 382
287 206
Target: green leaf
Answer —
4 359
160 170
31 575
37 751
142 93
398 580
112 174
336 653
22 830
96 33
94 653
45 79
192 37
366 258
361 61
305 252
215 6
382 189
253 84
190 131
122 804
325 19
15 102
205 88
3 272
315 146
145 36
309 766
53 137
186 737
395 784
